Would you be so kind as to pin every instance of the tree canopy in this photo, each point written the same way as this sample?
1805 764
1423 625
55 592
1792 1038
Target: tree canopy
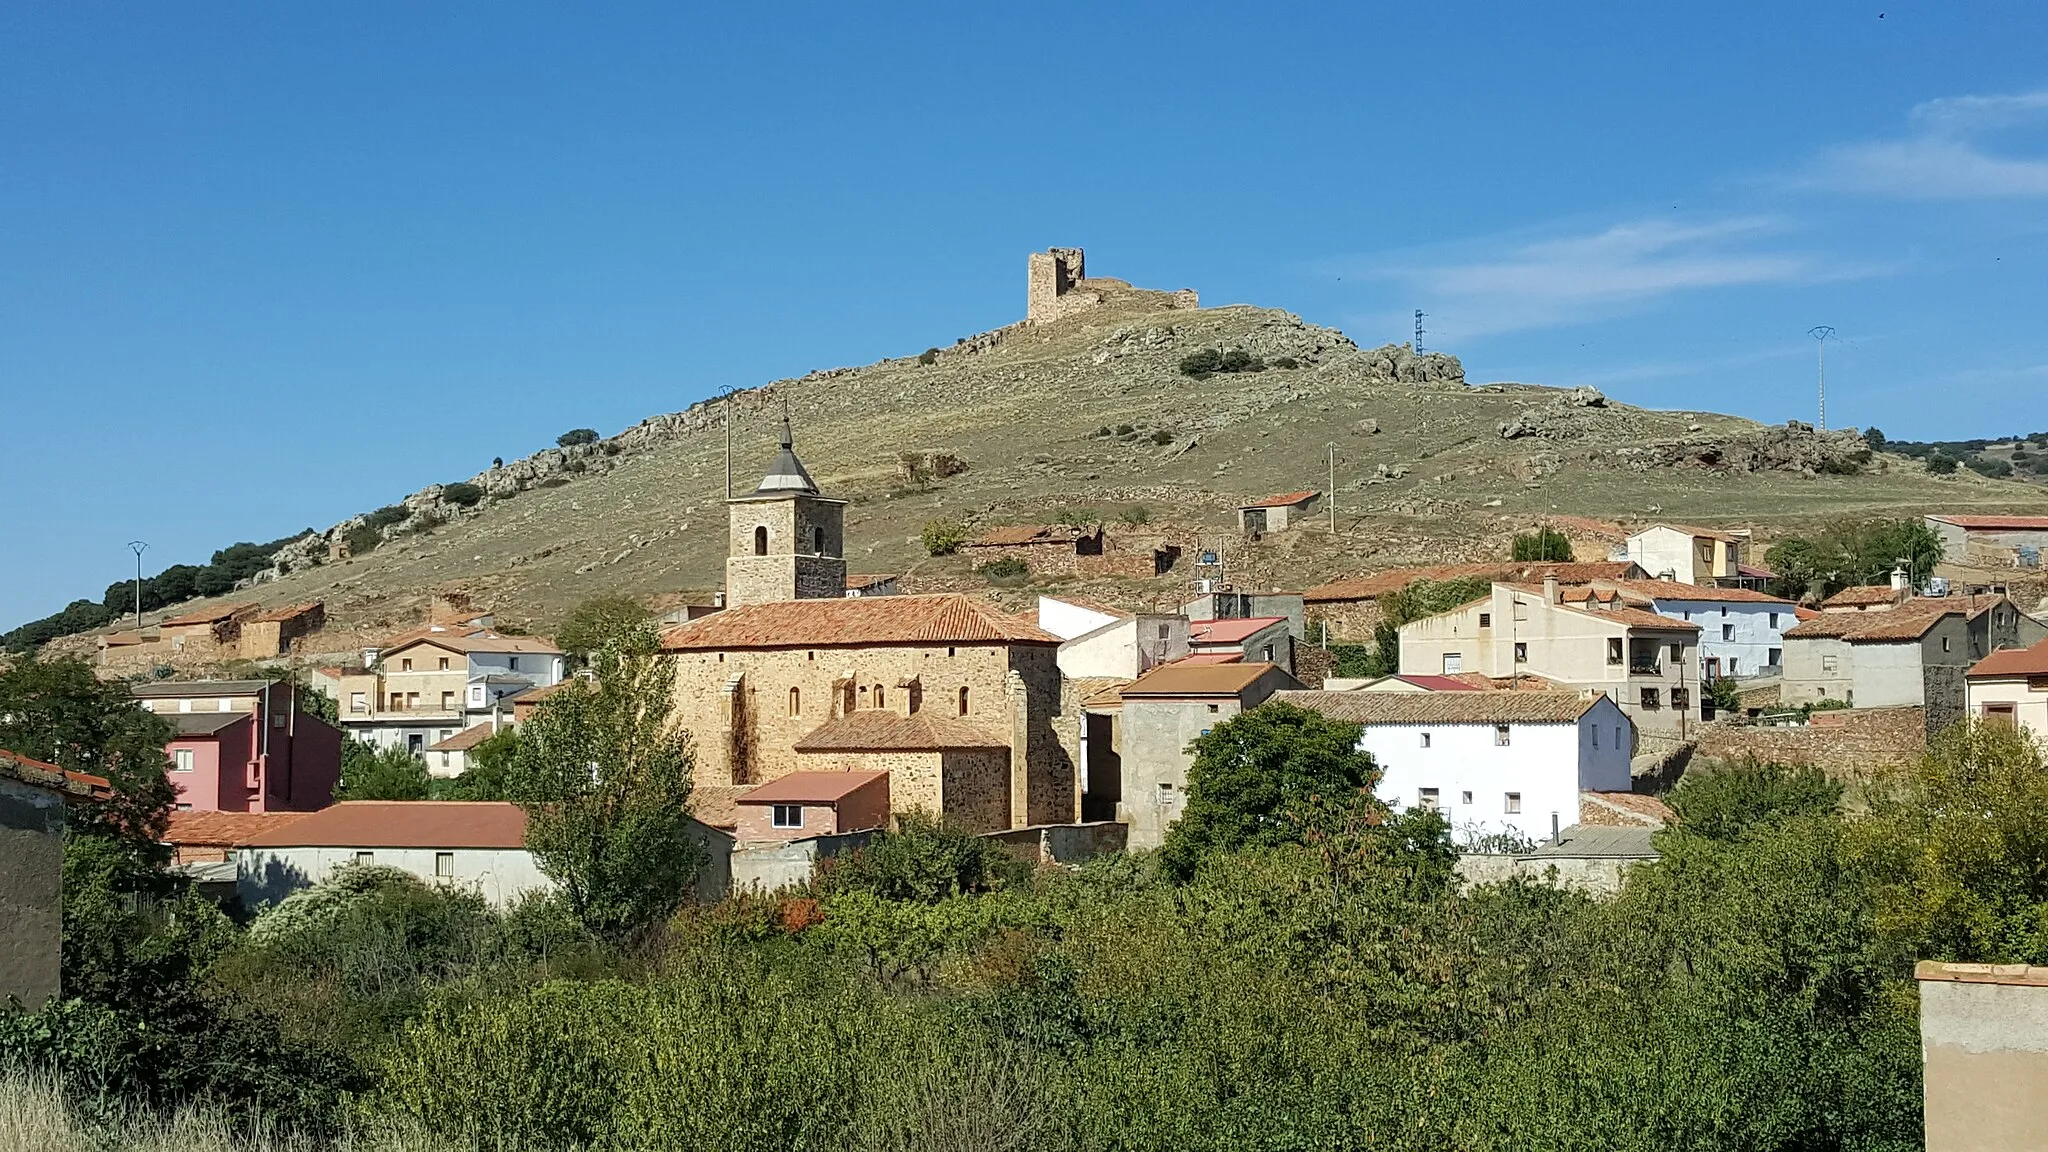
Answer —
60 712
598 621
1852 553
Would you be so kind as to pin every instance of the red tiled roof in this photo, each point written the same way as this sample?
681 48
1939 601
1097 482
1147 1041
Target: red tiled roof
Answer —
1619 613
466 739
868 579
1674 590
15 766
879 730
1182 678
811 787
1909 621
1633 807
1284 500
403 824
1394 579
213 615
468 638
1756 571
225 829
1862 596
1210 658
2013 662
1452 683
1015 534
1996 523
1235 631
1445 707
948 618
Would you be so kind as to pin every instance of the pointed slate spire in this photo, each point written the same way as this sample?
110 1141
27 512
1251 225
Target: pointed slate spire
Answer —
787 473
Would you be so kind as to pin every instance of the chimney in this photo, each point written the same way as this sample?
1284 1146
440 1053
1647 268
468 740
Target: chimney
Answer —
1550 593
718 598
1901 583
1555 837
1668 576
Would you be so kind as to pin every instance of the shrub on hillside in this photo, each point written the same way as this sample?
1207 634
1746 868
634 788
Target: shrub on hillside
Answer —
363 540
1210 361
462 492
388 515
1004 568
1543 544
928 357
575 436
1988 466
1941 464
943 537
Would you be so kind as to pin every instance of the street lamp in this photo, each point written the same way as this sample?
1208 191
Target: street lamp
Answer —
138 547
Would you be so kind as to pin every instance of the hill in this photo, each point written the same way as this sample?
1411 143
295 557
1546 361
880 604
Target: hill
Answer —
1092 414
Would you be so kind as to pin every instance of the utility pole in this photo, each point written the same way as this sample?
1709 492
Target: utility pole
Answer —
138 547
1333 488
1820 333
1418 331
726 407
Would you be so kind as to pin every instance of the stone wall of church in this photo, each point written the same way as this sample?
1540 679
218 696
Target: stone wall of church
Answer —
789 548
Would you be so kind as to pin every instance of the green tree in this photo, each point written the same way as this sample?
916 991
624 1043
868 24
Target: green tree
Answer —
1414 601
369 773
1263 778
943 537
1723 695
1543 544
605 779
1941 464
489 774
575 436
58 711
1875 438
1723 801
598 621
921 860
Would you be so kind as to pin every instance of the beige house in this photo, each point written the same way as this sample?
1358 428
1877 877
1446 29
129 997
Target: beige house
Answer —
2012 686
1692 555
1158 716
1984 1047
1577 638
1101 642
428 685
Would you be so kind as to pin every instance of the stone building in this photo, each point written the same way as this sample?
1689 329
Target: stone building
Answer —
1915 652
785 541
1058 287
1063 549
32 799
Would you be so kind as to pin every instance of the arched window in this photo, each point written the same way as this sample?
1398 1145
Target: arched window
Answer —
878 697
761 540
796 702
817 541
963 701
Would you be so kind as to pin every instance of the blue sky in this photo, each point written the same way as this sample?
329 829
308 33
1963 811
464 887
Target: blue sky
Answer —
265 266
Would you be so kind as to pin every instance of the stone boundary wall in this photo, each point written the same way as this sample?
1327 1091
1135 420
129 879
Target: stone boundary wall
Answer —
1599 876
766 868
1842 742
1063 843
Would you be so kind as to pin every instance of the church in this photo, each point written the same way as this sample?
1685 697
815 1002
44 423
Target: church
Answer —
955 700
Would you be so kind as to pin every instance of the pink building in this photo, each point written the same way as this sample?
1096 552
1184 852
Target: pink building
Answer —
245 746
805 804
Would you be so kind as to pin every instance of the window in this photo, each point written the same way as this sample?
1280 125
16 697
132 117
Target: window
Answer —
1521 608
405 665
476 694
1827 663
1724 611
1425 798
444 864
184 807
878 697
397 701
1266 654
1618 730
445 733
444 664
358 702
1513 805
1998 714
796 702
416 743
1732 662
1464 798
1165 631
1425 739
817 541
1727 631
963 701
1774 620
1500 735
448 701
182 760
1614 650
1595 730
366 857
1777 657
761 540
1681 698
1650 698
1214 707
1944 643
786 815
1677 653
223 705
1454 662
1521 652
412 700
512 662
1486 619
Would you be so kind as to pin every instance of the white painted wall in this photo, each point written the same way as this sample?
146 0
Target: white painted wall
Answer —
1067 621
1817 668
1660 550
1125 648
499 875
538 669
2030 705
1758 632
1547 764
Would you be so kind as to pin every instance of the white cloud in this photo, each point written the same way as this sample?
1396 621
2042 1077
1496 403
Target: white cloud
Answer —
1943 156
1618 270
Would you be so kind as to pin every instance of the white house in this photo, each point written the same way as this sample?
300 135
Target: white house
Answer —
426 686
2012 686
1742 631
1691 555
1100 642
1491 762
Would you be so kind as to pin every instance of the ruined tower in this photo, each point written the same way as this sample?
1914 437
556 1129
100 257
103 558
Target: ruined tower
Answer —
785 541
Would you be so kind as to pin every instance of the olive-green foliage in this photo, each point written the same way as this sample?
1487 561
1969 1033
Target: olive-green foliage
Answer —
1723 694
369 773
1542 544
943 537
1417 599
58 711
1724 801
605 779
1210 361
1005 568
462 492
598 621
489 775
1270 776
920 860
575 436
1851 553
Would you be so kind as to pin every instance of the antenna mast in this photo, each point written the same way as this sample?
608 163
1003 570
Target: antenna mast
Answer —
1418 331
1820 333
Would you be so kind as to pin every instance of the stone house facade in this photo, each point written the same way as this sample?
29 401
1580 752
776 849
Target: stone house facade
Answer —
32 799
1275 513
1991 541
272 632
1066 550
1158 716
784 540
1916 653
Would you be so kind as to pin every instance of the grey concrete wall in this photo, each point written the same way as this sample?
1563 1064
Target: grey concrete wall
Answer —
31 892
774 867
1063 843
1984 1042
1600 876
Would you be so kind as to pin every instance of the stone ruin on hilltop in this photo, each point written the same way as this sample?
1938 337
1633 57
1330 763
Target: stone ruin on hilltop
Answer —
1059 287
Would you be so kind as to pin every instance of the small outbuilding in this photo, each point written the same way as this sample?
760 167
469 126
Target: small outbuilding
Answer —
804 804
1275 513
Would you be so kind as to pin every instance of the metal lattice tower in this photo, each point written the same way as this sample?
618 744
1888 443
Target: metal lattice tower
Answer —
1418 331
1820 333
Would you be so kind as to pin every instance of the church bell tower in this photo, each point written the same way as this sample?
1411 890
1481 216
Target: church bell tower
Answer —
785 541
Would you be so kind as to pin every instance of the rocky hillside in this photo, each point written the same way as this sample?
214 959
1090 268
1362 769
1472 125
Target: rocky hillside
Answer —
1093 415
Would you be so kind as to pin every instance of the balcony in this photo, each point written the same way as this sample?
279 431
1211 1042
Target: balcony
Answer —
1645 668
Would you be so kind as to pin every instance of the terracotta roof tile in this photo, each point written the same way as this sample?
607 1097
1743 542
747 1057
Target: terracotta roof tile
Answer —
1455 682
1445 707
1626 808
1909 621
1183 678
811 787
1284 500
1394 579
225 829
2014 662
879 730
289 612
15 766
1996 523
466 739
1862 596
403 824
1620 613
1673 590
213 615
949 618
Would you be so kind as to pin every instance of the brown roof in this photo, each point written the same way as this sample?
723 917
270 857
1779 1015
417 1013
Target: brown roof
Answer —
1909 621
1620 613
1996 523
948 618
466 739
2014 662
1629 807
225 829
1284 500
204 723
811 787
1862 596
15 766
213 615
1673 590
469 638
1014 534
1186 678
1445 707
403 824
289 612
867 579
880 730
1394 579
